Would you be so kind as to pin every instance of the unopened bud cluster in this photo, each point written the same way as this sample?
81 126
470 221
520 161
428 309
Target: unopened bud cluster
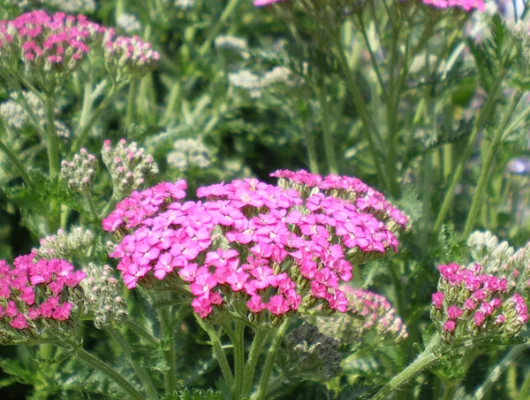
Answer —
229 42
103 296
470 301
368 314
66 244
501 259
312 354
129 23
16 116
188 154
279 78
38 299
128 165
129 56
80 173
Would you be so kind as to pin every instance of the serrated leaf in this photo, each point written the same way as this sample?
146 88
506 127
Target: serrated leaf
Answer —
194 394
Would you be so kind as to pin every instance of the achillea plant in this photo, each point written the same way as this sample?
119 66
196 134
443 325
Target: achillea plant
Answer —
253 253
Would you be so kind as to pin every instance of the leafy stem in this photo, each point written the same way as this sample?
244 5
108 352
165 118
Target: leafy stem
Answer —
117 378
51 141
269 362
425 360
482 119
139 369
486 163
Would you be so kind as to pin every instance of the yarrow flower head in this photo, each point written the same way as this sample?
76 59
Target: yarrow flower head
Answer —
369 318
128 165
103 296
189 153
47 47
471 301
259 250
38 299
65 244
80 173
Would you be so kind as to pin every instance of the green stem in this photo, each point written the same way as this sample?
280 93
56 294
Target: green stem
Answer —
524 393
483 118
498 370
52 143
218 351
141 372
486 164
131 103
91 207
141 332
311 152
424 361
370 129
229 9
326 128
16 163
171 109
269 362
239 358
168 334
450 388
260 338
96 363
83 130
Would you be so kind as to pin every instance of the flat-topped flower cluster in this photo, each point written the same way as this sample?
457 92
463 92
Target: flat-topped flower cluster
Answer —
59 42
278 248
34 293
471 301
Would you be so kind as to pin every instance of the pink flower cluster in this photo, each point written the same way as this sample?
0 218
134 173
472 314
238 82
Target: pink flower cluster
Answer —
352 189
369 317
467 5
33 291
55 39
477 301
58 42
271 246
376 311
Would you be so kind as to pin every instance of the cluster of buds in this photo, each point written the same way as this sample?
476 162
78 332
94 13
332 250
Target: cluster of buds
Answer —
103 296
246 81
129 56
37 299
232 43
48 45
17 118
65 245
501 259
129 23
368 314
51 46
128 165
472 301
80 173
189 153
311 355
258 250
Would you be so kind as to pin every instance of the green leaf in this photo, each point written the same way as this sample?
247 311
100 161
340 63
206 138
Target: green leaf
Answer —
195 394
